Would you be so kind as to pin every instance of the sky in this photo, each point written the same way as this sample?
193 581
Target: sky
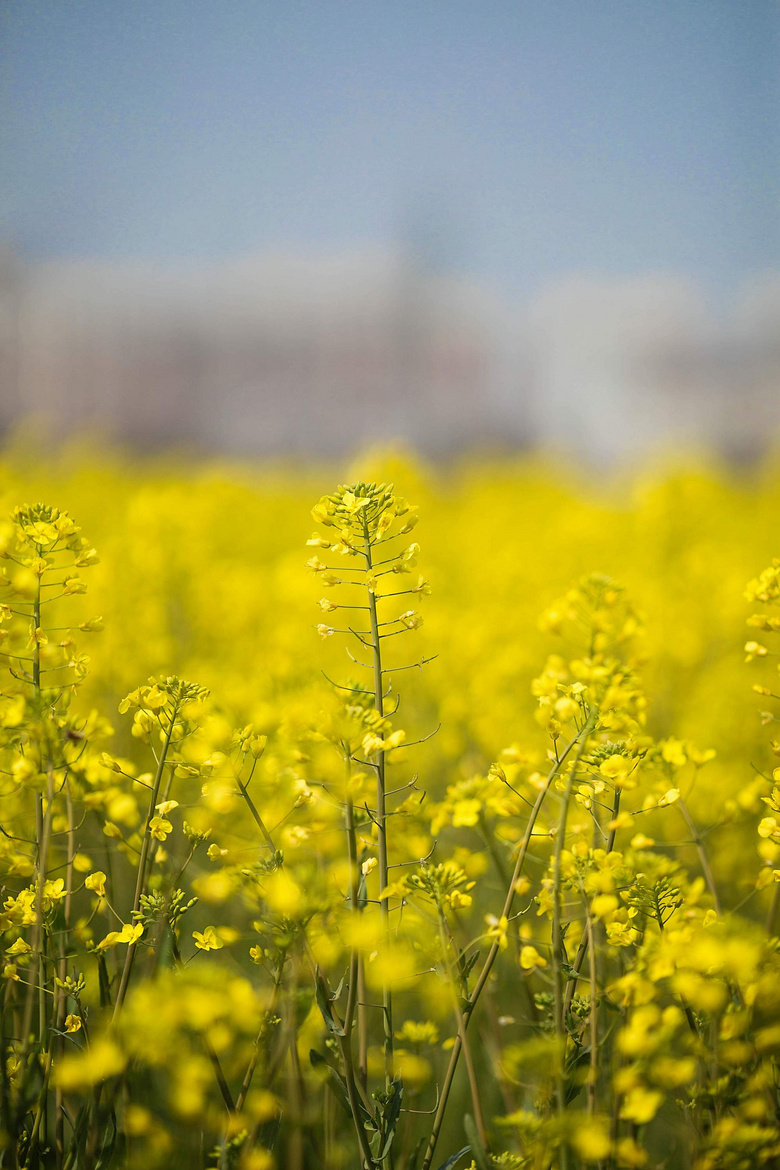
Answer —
517 142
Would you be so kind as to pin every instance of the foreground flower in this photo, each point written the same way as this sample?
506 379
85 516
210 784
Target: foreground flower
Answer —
209 940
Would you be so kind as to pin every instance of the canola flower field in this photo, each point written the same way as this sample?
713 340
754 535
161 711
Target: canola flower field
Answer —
459 845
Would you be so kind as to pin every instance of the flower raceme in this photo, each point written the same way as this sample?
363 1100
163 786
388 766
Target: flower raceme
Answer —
368 520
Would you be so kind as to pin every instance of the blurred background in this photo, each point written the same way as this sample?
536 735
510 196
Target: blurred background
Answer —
262 228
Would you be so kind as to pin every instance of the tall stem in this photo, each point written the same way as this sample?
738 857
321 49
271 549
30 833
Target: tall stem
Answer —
58 1099
141 875
362 1017
447 941
774 906
246 1084
558 951
354 886
582 950
704 860
493 952
594 1014
514 930
42 828
36 647
381 819
256 815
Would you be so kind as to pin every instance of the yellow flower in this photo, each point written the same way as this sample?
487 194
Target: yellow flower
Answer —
20 947
53 891
166 806
497 928
418 1032
96 882
103 1059
769 827
209 940
257 745
93 626
673 752
603 905
640 1105
640 841
466 812
257 1159
590 1138
530 958
128 934
160 827
616 769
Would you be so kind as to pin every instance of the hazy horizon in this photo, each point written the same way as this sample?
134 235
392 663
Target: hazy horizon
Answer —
301 223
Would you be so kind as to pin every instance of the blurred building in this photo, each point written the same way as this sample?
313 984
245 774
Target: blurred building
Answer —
252 357
291 355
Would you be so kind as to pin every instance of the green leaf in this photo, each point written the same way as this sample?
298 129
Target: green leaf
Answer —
573 1085
465 965
414 1157
324 1002
453 1158
392 1112
477 1149
338 1085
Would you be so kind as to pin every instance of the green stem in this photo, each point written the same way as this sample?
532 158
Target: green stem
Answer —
774 906
39 1123
464 1040
593 1069
514 931
36 648
354 887
381 820
494 950
558 944
345 1039
258 819
141 875
582 950
40 861
5 1088
250 1072
704 860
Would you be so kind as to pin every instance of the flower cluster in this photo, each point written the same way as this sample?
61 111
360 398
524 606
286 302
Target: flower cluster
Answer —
544 930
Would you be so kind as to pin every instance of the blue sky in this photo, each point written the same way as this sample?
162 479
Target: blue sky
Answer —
518 141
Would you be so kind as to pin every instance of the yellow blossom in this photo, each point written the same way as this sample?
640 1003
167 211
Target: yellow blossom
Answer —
209 940
530 958
96 882
128 934
497 928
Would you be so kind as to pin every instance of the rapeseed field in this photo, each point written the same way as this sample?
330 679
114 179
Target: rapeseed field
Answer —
427 821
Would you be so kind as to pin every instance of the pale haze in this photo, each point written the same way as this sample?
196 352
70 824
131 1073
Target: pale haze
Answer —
575 203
